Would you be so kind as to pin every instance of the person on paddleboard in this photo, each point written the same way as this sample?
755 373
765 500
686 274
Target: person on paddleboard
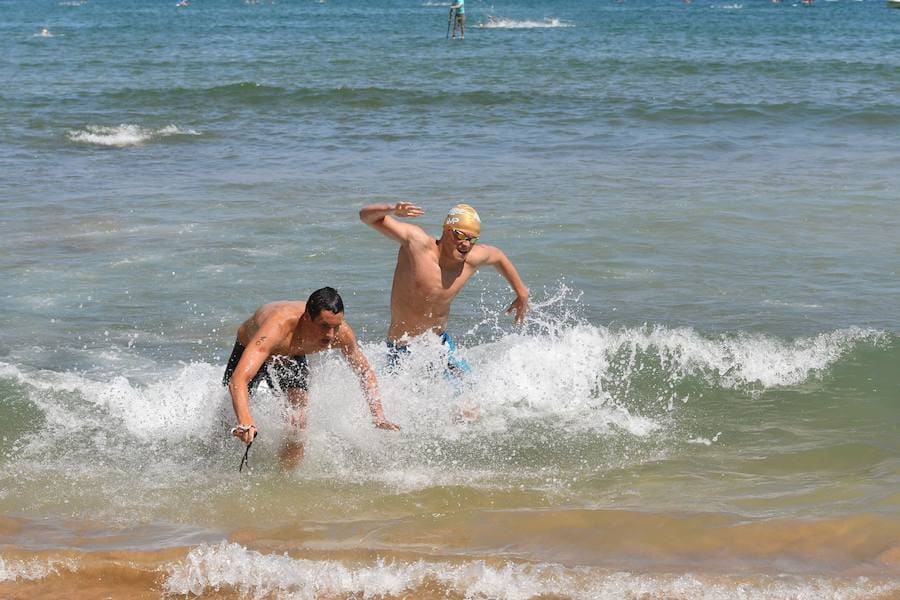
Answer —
459 18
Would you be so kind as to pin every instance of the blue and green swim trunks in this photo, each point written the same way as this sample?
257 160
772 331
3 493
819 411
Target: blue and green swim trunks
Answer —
456 366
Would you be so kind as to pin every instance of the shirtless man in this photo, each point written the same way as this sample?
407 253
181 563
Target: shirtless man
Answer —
272 345
431 272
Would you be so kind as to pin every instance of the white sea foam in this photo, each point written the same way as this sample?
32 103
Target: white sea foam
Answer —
123 135
736 360
705 441
504 23
34 569
209 568
547 390
183 402
792 304
576 378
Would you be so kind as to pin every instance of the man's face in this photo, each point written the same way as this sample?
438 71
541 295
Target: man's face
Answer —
461 240
327 324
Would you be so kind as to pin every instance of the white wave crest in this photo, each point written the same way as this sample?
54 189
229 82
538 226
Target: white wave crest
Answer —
576 377
182 402
123 135
34 569
550 390
503 23
209 568
745 358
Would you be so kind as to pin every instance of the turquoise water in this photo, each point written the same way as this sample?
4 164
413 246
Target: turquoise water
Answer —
702 198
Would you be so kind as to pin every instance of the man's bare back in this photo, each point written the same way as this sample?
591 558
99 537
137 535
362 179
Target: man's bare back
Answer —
287 334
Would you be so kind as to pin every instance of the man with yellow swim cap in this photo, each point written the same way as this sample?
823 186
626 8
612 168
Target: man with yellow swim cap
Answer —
431 272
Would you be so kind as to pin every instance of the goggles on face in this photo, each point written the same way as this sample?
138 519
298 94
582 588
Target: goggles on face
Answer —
462 236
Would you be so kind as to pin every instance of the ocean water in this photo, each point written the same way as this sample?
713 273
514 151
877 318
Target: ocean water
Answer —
702 197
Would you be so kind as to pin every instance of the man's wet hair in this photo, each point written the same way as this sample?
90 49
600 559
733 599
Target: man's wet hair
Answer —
326 298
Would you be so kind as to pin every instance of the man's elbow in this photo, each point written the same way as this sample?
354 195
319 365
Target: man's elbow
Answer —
370 214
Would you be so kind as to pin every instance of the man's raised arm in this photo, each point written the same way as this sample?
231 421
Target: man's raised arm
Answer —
380 217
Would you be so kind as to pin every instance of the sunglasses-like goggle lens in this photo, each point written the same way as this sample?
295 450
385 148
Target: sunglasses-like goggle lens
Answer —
462 236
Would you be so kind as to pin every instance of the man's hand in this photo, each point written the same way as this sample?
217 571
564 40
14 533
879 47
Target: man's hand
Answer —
520 305
383 423
407 209
245 433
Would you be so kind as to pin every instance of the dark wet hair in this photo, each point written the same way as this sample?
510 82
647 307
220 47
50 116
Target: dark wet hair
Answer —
326 298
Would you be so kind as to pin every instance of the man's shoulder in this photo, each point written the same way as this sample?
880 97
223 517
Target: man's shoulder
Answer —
482 253
417 236
283 306
282 312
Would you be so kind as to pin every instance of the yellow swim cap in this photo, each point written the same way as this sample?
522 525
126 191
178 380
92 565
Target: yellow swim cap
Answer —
463 216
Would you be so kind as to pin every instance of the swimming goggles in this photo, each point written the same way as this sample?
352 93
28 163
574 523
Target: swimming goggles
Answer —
461 236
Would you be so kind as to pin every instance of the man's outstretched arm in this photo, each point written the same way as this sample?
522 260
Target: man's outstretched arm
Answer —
499 261
367 380
381 218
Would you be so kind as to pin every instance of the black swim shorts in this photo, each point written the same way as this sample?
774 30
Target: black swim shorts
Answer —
280 372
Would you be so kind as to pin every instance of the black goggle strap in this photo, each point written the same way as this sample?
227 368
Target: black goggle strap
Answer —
246 458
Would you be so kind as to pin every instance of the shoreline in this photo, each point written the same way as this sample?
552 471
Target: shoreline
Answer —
560 552
229 570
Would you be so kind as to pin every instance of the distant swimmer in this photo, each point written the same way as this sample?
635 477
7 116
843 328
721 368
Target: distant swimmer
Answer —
272 346
183 3
431 272
459 22
45 32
